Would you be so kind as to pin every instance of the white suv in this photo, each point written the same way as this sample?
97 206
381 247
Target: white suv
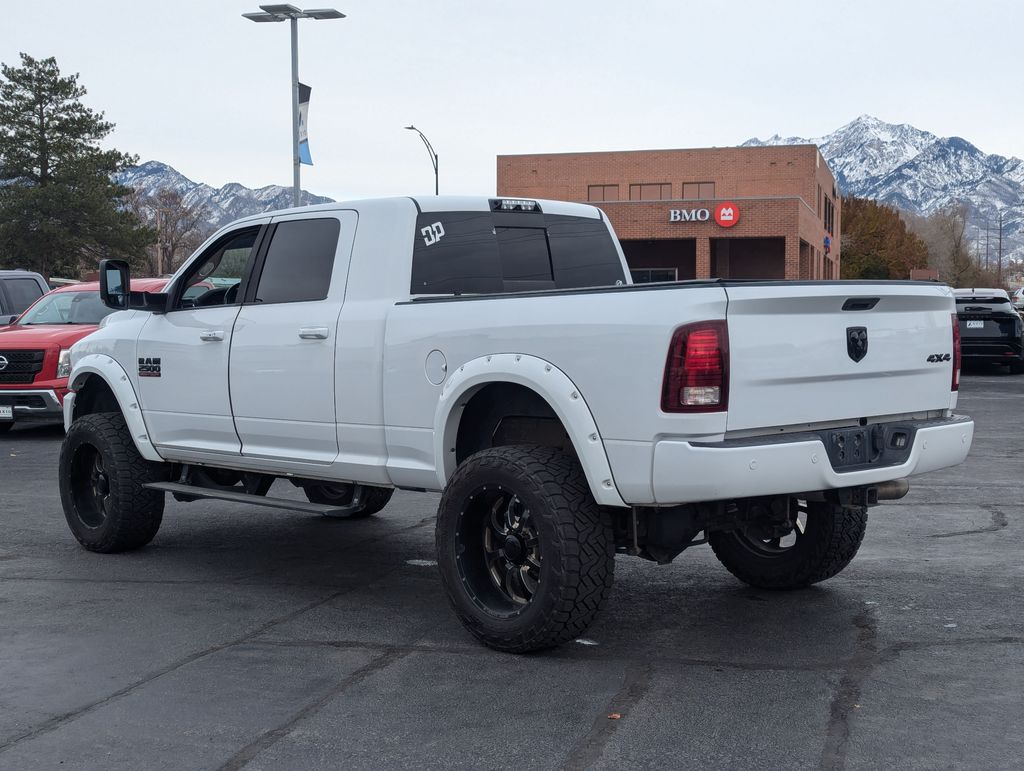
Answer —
1017 298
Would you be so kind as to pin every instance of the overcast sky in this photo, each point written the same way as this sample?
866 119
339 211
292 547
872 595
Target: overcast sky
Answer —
191 83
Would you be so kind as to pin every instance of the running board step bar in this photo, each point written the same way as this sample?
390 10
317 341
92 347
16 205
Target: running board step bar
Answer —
196 491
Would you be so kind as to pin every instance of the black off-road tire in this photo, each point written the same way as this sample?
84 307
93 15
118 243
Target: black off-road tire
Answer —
374 498
1017 367
6 426
831 538
574 540
130 514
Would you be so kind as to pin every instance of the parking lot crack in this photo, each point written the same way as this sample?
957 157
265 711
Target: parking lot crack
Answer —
844 701
274 735
588 750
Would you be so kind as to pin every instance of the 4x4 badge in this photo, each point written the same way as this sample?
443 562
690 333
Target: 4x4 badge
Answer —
857 342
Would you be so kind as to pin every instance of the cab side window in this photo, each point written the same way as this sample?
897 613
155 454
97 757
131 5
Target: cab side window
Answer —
299 261
217 276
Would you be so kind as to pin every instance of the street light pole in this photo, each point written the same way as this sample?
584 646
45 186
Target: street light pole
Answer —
999 264
430 152
296 164
274 13
988 232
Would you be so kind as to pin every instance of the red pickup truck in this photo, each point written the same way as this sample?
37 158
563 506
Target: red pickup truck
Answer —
35 348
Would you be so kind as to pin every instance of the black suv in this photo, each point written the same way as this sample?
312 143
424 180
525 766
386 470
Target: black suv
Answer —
991 331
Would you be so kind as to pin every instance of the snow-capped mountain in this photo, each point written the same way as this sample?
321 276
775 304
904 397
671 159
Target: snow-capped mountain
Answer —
920 172
223 204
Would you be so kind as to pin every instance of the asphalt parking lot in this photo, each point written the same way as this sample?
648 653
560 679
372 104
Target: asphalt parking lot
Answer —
249 638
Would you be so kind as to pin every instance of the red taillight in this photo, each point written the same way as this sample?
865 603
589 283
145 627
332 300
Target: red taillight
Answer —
697 370
955 386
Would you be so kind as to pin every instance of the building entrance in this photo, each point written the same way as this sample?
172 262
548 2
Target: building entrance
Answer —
661 259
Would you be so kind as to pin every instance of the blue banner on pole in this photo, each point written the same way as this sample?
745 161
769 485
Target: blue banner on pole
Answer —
304 156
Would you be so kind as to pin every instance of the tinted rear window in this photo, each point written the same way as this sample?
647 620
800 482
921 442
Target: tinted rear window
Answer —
455 253
583 253
491 252
21 293
525 256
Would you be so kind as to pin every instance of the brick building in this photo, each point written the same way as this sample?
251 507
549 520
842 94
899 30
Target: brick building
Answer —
733 212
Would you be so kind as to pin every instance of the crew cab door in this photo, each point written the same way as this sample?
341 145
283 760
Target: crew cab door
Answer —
282 372
182 370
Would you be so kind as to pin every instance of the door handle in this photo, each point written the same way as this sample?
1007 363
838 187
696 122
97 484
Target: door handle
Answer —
313 333
212 335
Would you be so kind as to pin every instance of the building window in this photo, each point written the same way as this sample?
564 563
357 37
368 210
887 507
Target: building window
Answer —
828 215
603 193
651 275
698 191
657 191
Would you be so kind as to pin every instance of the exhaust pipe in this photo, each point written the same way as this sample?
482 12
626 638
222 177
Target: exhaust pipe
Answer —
893 490
869 495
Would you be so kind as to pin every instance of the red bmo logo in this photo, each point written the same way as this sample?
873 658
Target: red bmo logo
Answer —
727 214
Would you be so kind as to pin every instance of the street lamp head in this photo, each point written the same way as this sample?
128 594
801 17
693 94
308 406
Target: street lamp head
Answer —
323 13
283 12
410 127
287 11
262 17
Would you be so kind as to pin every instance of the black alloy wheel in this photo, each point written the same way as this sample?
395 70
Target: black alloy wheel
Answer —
764 542
90 485
498 540
822 540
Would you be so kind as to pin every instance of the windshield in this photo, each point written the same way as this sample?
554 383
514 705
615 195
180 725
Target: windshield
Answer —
67 308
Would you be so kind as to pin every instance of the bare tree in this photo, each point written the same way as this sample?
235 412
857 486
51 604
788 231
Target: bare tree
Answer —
180 227
949 247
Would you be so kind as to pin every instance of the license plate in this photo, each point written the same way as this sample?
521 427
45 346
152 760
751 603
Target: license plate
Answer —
975 324
6 412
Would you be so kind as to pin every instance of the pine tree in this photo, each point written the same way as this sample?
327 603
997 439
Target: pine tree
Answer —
60 211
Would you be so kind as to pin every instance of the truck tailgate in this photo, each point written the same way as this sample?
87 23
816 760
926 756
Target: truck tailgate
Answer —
791 361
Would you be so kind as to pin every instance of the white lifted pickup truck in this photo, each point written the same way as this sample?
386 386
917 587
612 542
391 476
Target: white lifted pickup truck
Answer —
495 350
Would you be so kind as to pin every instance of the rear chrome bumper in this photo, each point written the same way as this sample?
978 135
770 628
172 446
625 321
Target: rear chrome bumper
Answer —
33 404
690 472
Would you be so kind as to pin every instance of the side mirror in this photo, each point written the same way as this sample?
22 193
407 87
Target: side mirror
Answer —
7 320
115 283
115 290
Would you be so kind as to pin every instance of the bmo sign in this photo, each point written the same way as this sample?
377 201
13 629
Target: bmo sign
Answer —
726 214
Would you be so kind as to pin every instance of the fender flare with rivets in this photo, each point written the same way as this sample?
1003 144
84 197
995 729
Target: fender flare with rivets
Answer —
552 385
